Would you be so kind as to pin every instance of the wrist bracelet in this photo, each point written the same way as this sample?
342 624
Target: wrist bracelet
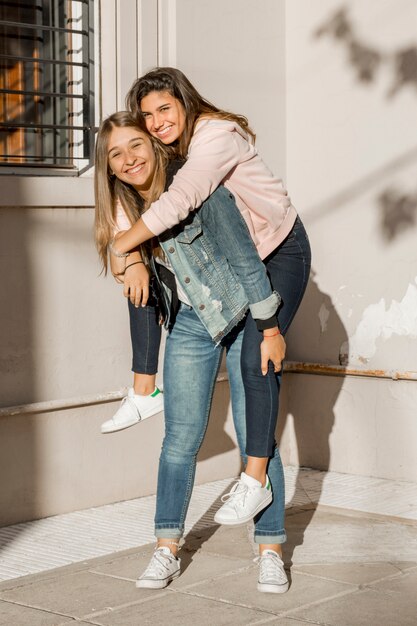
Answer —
135 263
274 335
120 255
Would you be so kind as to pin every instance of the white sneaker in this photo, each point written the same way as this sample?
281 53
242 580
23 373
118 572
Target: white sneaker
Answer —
272 575
163 568
246 498
134 409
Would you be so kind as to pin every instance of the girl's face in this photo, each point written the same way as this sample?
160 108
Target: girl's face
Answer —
131 157
164 116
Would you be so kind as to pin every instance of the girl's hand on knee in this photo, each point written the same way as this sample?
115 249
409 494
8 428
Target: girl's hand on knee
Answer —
272 349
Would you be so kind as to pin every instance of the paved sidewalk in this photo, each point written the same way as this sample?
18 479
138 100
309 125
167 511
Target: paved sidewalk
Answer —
347 568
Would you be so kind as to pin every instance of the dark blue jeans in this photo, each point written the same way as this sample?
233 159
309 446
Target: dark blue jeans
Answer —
288 269
145 334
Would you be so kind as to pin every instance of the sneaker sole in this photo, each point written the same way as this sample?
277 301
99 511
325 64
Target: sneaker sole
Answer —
114 429
117 427
247 518
157 584
265 588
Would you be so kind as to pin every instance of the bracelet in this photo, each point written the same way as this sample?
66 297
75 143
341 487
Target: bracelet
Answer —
120 255
135 263
274 335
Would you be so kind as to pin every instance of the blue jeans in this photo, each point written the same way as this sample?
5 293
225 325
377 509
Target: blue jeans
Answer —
288 270
190 368
192 357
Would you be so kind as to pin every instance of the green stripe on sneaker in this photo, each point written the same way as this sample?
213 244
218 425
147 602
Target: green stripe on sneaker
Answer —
268 484
155 393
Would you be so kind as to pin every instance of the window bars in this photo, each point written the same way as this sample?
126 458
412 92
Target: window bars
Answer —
46 83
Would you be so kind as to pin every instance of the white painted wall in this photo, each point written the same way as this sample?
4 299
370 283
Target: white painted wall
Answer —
341 144
351 170
64 329
233 52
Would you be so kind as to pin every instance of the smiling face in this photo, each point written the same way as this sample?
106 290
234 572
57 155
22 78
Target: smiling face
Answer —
164 116
131 158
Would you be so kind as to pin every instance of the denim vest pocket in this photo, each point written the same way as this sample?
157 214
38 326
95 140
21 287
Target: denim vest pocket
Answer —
190 232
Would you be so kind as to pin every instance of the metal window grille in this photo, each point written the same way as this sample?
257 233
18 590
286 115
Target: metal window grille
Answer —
46 83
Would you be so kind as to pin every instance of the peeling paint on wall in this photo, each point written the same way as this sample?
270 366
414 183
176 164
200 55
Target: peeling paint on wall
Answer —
324 315
378 321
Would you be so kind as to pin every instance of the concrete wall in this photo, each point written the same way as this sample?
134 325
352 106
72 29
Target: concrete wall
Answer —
351 94
332 100
63 328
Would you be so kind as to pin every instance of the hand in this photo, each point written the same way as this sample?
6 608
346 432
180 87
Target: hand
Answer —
272 349
136 284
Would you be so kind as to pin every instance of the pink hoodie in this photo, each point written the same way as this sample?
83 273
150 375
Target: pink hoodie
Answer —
220 153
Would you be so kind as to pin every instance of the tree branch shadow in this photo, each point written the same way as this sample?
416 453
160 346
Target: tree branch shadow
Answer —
366 60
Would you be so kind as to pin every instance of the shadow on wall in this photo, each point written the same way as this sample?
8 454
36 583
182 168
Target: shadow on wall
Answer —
366 60
319 333
397 210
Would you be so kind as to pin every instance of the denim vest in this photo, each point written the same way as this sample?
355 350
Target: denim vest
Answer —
216 262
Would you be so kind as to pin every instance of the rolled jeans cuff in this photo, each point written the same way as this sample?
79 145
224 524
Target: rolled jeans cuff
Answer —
168 533
262 536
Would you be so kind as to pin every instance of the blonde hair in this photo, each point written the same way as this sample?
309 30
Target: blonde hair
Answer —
108 189
178 86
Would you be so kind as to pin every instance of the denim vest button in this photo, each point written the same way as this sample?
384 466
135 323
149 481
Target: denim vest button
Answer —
187 280
171 249
202 307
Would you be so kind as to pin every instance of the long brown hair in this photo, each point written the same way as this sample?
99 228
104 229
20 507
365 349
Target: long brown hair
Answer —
178 86
109 189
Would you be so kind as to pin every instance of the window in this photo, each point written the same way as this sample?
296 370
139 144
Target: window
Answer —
46 85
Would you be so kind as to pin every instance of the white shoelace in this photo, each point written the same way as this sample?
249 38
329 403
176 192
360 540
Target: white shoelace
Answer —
271 568
237 493
129 400
159 565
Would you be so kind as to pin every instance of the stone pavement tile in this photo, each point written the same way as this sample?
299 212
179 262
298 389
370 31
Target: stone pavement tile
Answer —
182 609
16 615
279 621
195 566
241 589
76 594
126 566
365 608
354 537
356 573
233 541
404 584
405 565
208 567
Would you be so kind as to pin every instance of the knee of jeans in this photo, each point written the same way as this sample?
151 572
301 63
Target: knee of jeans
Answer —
178 447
